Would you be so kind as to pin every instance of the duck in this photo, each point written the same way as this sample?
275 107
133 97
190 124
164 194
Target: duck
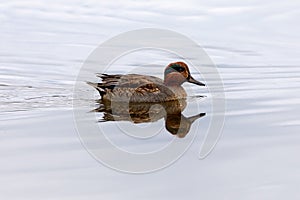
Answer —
139 88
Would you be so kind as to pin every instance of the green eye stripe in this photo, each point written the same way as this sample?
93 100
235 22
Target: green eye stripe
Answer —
177 67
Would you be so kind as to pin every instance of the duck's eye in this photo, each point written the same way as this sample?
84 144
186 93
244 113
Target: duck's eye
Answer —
178 68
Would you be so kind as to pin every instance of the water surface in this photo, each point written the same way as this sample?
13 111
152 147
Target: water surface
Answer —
255 46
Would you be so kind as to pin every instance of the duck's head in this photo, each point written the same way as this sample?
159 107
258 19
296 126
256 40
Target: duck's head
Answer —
177 73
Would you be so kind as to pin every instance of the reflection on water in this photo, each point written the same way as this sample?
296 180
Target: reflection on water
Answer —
175 122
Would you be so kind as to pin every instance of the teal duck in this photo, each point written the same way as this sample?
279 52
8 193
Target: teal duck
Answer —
144 88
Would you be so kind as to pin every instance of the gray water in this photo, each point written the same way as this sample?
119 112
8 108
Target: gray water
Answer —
255 46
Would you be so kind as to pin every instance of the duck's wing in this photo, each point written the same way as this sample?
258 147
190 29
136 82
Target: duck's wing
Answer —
126 83
142 88
128 80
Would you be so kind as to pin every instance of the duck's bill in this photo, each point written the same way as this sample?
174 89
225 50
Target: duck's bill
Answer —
192 80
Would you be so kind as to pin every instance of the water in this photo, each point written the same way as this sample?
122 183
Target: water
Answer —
255 46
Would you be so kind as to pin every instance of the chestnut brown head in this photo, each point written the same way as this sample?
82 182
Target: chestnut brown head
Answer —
177 73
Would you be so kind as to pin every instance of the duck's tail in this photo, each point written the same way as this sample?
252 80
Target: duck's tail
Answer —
96 86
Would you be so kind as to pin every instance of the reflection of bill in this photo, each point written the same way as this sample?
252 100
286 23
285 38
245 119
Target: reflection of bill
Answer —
175 122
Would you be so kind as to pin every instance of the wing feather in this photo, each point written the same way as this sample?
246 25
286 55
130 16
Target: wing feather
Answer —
144 88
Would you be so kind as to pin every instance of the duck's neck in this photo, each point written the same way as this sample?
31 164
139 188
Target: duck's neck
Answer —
174 80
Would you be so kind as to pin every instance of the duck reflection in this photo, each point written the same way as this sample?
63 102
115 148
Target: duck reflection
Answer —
175 122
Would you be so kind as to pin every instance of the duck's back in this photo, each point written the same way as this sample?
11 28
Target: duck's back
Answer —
136 88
